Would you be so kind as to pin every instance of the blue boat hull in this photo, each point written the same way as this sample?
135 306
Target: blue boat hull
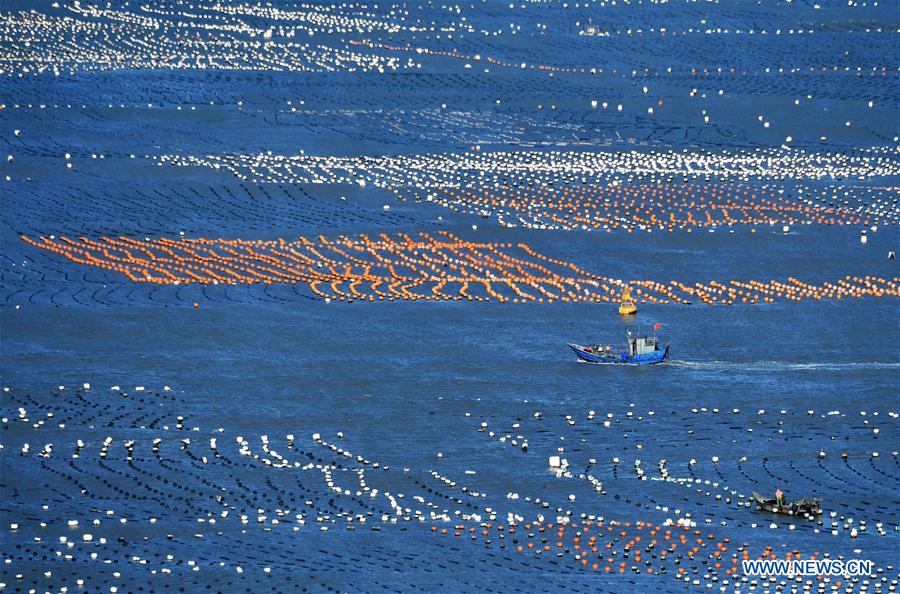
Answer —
622 358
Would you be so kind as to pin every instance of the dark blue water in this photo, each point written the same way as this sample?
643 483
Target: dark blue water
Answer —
363 403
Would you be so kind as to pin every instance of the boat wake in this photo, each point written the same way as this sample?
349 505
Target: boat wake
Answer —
783 366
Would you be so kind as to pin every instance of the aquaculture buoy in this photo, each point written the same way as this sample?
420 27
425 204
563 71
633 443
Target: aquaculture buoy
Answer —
626 304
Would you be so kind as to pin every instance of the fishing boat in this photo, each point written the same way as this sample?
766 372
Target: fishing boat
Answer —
590 30
626 303
805 506
640 350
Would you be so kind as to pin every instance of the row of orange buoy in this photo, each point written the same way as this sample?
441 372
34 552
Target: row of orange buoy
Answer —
617 547
646 206
425 267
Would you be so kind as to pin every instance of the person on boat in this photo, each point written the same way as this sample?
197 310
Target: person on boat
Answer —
779 496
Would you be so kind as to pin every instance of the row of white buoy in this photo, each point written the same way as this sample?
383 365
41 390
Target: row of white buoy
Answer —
91 38
542 168
454 169
711 489
418 507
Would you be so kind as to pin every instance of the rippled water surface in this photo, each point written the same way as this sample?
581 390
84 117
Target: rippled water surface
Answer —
432 201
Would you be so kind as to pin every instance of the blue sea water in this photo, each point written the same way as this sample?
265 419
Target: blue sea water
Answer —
436 393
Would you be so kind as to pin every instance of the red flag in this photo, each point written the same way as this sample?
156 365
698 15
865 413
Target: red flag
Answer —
657 326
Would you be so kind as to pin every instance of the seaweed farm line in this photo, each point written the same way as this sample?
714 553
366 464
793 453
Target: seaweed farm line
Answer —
648 207
227 484
424 268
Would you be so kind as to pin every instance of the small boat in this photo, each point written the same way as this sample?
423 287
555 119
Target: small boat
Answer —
805 506
626 303
641 350
590 30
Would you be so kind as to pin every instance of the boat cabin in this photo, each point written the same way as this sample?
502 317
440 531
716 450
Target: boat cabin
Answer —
641 345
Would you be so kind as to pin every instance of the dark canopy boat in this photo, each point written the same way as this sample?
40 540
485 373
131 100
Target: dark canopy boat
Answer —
805 506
